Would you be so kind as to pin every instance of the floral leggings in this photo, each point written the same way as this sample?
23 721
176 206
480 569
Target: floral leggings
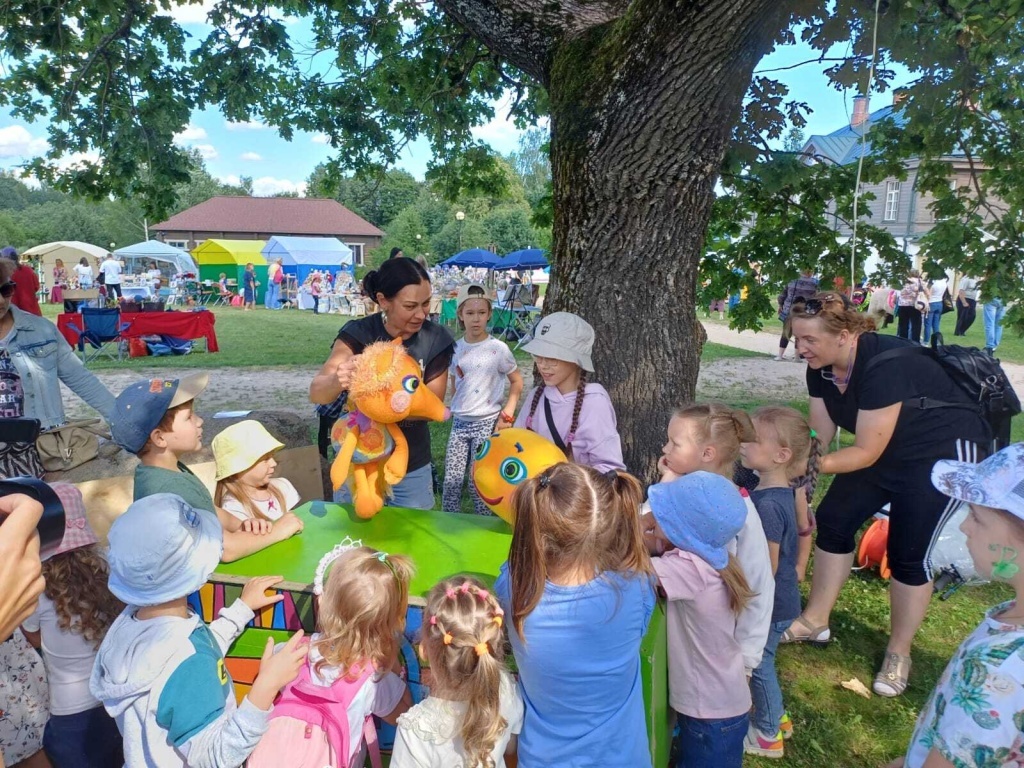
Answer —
465 438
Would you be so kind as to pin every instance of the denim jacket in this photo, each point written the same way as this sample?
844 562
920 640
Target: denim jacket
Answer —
44 359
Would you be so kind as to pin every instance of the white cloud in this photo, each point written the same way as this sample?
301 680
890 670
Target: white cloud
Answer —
206 151
268 185
321 138
193 12
501 133
248 125
191 134
230 179
16 141
251 157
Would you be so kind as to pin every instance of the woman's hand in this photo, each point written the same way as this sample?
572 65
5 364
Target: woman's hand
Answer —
345 372
21 571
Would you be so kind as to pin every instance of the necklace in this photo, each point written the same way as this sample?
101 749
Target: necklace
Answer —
841 383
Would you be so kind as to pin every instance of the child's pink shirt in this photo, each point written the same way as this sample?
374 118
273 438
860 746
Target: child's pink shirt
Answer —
706 677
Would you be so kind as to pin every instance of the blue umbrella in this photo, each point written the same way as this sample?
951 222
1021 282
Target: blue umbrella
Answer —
530 258
474 257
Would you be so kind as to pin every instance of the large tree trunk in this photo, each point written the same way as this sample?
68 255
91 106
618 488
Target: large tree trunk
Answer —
642 106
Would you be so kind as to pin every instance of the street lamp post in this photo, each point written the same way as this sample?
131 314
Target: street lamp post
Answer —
460 216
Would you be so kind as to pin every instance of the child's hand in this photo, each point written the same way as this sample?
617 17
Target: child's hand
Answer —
502 424
254 593
801 572
278 669
655 544
289 524
257 525
667 475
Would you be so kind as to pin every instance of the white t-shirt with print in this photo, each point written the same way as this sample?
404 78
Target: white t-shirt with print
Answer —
977 707
68 658
270 508
428 734
379 696
480 372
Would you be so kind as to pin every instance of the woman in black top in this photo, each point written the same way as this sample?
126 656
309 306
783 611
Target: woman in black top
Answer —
890 462
401 288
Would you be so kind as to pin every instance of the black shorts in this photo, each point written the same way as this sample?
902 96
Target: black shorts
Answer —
917 513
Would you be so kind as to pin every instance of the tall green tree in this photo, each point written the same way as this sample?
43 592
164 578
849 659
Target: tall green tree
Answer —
644 98
377 198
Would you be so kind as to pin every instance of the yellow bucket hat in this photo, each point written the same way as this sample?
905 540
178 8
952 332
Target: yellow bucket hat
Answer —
240 446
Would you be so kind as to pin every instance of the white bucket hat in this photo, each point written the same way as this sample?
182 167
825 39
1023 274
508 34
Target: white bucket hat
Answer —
564 336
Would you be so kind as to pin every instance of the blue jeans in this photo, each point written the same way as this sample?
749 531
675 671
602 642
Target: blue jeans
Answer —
764 685
992 313
711 743
932 322
416 491
270 299
87 739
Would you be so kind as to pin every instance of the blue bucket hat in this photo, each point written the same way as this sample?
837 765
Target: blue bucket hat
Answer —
139 408
162 549
700 513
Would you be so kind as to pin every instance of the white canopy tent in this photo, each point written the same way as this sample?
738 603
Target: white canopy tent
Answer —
69 252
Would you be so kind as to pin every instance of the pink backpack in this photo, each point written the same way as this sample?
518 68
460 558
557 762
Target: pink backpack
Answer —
309 726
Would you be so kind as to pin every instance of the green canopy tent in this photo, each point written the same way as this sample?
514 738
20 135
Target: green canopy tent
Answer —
229 257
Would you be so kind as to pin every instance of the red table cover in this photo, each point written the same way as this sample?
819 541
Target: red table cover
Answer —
182 325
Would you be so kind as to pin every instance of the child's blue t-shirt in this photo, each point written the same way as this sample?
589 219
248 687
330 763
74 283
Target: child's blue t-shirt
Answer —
579 671
777 509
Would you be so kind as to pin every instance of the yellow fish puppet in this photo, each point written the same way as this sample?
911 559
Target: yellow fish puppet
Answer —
505 460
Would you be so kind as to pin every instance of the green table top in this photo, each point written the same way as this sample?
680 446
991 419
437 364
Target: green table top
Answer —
439 543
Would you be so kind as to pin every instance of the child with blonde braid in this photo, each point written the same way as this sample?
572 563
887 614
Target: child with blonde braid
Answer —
707 436
785 456
574 414
474 710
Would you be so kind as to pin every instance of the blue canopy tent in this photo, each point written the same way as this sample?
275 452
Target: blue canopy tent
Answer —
302 255
530 258
171 260
474 257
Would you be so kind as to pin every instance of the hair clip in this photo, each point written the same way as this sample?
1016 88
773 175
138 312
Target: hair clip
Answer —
450 594
447 638
570 437
482 649
347 545
464 589
814 435
545 480
498 620
483 594
383 558
433 621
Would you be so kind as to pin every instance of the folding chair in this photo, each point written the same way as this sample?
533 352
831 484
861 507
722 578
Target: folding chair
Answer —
101 328
511 320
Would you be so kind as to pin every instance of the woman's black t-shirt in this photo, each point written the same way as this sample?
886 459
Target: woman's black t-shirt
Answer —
920 434
432 347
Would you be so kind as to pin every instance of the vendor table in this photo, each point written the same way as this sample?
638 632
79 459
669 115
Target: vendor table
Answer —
440 545
182 325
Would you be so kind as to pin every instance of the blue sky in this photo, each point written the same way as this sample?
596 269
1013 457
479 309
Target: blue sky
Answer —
232 150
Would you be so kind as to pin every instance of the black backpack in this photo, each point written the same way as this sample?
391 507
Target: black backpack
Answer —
978 374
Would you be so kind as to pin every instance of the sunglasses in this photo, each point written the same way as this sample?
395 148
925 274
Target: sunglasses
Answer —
7 289
814 306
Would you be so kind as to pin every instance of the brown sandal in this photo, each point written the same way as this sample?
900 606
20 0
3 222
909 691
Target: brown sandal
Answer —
892 678
819 636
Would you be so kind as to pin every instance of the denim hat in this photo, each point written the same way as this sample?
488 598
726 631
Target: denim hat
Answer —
564 336
162 549
700 513
139 408
997 482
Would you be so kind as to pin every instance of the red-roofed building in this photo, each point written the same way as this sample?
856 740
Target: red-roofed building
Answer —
260 218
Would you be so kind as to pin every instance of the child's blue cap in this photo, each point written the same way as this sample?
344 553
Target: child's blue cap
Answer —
700 513
997 482
162 549
139 408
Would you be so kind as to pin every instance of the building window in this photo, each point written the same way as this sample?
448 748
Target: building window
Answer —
182 244
892 200
357 253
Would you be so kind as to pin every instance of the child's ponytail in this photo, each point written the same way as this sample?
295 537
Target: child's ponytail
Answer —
464 643
735 581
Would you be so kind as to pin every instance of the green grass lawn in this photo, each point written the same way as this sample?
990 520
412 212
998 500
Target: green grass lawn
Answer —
833 727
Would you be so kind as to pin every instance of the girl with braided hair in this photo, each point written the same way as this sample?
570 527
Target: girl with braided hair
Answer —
578 592
474 710
785 456
574 414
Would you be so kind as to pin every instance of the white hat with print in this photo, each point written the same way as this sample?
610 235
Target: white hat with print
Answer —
564 336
